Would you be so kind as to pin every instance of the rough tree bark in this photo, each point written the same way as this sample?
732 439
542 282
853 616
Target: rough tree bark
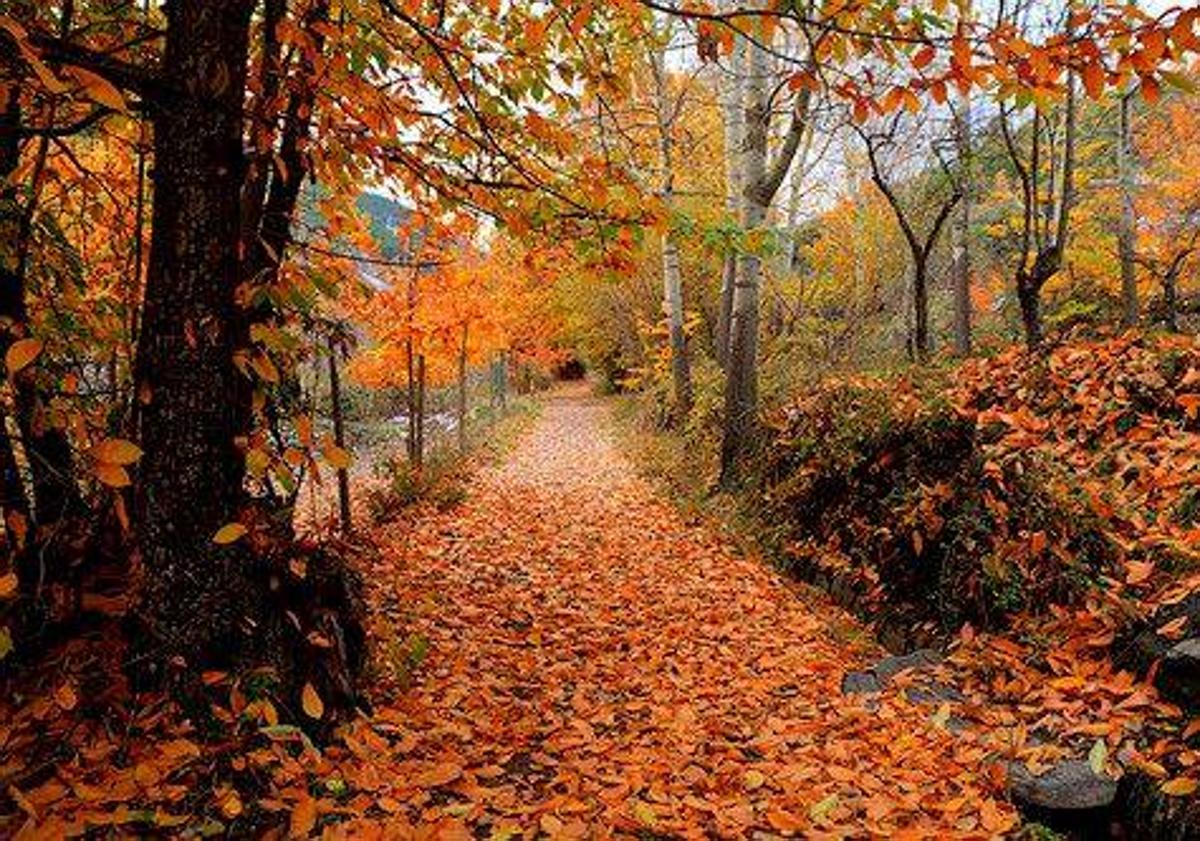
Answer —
192 600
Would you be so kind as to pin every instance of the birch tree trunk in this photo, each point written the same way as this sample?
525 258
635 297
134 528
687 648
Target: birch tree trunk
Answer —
681 373
733 122
761 180
741 382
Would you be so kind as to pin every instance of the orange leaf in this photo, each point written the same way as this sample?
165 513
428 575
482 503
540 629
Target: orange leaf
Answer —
1179 787
116 451
65 697
113 475
21 353
228 533
311 702
98 89
439 775
303 818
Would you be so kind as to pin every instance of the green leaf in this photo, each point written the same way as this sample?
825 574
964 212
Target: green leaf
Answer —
823 807
1179 80
6 643
1097 756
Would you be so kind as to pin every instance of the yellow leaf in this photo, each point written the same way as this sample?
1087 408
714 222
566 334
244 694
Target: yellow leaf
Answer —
753 779
21 353
6 643
644 812
116 451
823 807
311 702
229 532
231 804
113 475
1179 787
338 458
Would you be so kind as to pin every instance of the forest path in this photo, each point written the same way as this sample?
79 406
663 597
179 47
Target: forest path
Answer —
598 666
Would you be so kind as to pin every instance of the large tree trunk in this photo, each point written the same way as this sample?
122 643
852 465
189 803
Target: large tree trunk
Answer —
193 600
1126 230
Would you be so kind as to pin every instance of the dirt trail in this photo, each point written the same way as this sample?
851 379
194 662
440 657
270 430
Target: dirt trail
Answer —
597 666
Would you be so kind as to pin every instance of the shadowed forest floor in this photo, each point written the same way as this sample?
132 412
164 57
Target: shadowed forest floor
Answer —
597 665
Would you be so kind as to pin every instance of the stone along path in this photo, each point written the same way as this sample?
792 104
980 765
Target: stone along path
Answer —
598 666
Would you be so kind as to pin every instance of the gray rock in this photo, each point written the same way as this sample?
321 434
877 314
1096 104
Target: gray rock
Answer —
1178 675
1069 785
933 693
855 683
888 667
877 677
1188 649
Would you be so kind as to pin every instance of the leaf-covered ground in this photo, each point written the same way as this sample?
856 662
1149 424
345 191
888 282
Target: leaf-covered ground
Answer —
599 666
563 655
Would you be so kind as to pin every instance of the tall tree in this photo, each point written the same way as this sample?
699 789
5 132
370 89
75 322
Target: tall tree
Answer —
667 110
733 123
961 228
920 246
761 178
195 598
1127 222
1046 211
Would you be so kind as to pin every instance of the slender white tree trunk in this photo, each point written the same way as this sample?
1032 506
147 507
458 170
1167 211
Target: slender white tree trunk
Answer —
741 385
681 373
733 122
